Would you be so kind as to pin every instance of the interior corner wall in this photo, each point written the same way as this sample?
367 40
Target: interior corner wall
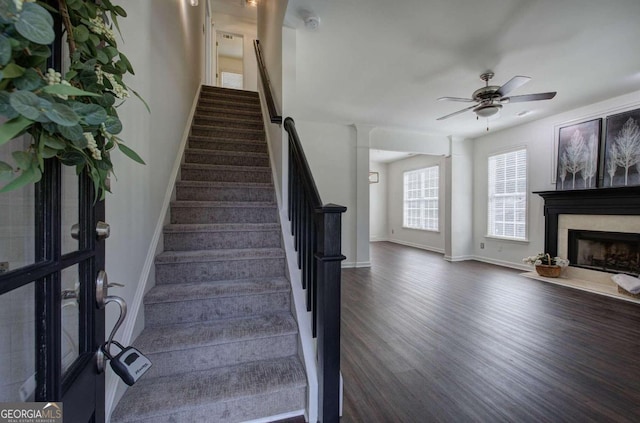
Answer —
331 153
378 216
248 30
539 138
427 240
165 43
270 35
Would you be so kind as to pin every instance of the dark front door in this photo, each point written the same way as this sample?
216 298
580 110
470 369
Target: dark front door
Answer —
50 326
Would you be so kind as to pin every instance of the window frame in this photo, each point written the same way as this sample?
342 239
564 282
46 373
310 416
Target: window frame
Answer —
488 233
421 218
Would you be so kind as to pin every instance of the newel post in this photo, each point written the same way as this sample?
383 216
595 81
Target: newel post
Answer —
328 258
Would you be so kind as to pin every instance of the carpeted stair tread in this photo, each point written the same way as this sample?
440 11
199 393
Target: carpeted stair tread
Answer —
217 184
224 140
191 397
206 152
218 255
224 204
163 294
229 121
228 168
241 131
228 103
229 91
192 335
220 227
220 110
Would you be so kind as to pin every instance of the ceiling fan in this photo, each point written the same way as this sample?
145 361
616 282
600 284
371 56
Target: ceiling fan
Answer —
490 98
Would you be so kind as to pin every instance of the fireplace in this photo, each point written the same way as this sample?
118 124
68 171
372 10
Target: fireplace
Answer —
613 252
622 201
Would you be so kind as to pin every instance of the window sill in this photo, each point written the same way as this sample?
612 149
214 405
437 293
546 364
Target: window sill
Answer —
514 240
423 230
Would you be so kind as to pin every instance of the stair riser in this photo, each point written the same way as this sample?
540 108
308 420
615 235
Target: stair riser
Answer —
223 133
229 91
188 193
230 98
228 146
229 104
215 175
237 409
228 354
210 309
190 272
239 124
223 214
193 241
225 159
221 111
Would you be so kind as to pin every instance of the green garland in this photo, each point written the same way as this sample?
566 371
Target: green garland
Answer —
72 118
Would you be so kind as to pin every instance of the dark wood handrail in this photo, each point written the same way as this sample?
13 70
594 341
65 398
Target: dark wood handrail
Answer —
266 85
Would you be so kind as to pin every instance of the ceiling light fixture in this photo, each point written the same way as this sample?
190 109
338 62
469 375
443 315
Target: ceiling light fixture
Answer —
487 110
252 3
193 2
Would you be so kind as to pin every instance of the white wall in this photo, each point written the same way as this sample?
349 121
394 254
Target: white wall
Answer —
165 43
331 153
248 30
378 217
539 138
428 240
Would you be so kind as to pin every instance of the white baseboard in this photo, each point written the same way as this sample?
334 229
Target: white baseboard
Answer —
357 264
518 266
458 258
378 239
282 416
420 246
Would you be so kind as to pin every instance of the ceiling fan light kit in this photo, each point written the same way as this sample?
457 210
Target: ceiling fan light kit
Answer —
490 98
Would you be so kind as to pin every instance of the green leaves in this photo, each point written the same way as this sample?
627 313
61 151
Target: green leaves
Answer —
12 128
60 114
35 24
130 153
26 103
62 89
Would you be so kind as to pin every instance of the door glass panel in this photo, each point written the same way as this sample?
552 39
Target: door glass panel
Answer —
17 344
17 218
70 317
70 209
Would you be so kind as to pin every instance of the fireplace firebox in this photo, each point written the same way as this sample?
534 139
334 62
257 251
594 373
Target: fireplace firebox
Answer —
613 252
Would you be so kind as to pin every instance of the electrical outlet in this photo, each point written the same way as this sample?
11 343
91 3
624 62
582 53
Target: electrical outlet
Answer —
482 245
4 266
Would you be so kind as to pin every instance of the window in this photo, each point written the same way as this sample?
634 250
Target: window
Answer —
508 195
421 198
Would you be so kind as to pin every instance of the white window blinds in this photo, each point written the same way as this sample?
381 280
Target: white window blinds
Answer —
421 198
508 195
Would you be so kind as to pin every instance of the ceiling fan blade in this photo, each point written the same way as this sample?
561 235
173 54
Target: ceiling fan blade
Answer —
456 113
529 97
464 100
512 84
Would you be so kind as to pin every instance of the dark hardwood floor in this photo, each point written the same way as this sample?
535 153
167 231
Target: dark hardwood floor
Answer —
425 340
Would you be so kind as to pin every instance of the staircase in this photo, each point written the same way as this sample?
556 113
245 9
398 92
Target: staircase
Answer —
218 324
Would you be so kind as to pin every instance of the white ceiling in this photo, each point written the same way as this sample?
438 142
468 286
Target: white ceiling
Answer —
384 156
385 63
236 8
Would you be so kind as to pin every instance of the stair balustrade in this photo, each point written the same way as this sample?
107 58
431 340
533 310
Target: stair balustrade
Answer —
317 233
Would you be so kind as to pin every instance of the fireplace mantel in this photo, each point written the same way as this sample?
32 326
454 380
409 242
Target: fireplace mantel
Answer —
600 201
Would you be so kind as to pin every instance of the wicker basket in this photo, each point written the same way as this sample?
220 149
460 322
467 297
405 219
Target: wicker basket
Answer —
621 290
548 271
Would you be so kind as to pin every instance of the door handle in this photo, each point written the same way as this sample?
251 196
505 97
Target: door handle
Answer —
103 230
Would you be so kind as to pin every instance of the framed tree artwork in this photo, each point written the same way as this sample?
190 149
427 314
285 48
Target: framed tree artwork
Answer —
622 150
578 147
